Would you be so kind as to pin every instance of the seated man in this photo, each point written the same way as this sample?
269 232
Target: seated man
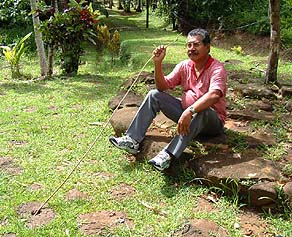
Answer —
201 109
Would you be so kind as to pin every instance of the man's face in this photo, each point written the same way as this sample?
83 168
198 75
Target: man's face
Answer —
196 50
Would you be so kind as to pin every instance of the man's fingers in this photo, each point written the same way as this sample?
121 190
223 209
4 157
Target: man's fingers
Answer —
183 130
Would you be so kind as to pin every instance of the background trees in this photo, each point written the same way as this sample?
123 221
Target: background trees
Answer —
224 16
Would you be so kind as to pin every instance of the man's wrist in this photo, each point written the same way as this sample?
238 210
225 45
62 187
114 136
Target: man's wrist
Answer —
192 109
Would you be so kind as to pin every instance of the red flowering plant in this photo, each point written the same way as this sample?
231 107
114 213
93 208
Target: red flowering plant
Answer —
69 30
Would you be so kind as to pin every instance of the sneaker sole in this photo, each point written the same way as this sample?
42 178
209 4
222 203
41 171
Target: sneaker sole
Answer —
129 150
158 167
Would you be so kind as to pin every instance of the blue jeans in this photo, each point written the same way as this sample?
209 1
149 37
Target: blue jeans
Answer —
205 123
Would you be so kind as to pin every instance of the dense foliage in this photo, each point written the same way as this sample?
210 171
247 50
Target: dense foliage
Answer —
244 15
69 30
223 15
14 12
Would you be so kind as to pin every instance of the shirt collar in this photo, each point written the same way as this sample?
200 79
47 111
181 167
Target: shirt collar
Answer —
209 62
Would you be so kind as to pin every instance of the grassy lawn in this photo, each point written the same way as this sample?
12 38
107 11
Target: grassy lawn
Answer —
46 127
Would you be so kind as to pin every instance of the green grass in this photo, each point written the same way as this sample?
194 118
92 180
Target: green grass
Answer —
45 128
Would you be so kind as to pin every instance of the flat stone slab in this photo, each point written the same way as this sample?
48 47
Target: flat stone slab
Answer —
251 115
255 91
218 167
131 100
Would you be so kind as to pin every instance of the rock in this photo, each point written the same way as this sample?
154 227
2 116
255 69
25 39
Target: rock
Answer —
162 121
286 91
285 82
122 118
248 166
153 143
251 115
260 138
263 194
131 100
288 105
145 77
255 91
288 192
260 105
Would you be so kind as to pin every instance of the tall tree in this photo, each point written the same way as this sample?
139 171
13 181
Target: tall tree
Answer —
274 11
147 14
39 40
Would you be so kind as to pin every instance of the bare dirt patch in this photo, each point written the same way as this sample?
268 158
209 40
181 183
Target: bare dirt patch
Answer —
27 211
251 224
102 222
122 191
8 166
205 205
200 228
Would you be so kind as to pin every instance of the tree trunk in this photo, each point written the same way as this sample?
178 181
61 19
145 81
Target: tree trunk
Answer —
111 3
50 59
147 14
139 7
274 11
51 50
39 40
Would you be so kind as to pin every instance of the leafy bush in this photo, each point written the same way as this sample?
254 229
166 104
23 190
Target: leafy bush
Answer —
286 16
69 30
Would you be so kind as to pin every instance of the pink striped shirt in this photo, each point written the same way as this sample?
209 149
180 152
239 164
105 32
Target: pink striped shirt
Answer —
213 77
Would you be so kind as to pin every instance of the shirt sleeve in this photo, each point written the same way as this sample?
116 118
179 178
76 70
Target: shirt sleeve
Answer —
218 79
174 78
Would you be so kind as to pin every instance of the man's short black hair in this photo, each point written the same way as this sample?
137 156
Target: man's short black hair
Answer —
203 33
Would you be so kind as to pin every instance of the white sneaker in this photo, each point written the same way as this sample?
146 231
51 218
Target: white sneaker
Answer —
125 143
161 161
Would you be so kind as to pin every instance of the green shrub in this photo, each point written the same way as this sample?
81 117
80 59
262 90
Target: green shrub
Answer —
13 55
69 30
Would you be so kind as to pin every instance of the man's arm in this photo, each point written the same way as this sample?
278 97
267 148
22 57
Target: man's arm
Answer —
207 100
158 56
204 102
